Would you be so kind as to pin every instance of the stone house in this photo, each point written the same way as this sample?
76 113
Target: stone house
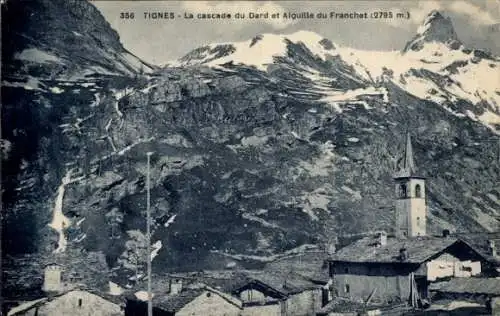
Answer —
203 301
268 293
76 302
398 268
260 292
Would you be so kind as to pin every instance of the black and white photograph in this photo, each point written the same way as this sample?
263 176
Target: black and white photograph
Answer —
250 158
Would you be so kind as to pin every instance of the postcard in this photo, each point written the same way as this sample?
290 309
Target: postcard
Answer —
250 157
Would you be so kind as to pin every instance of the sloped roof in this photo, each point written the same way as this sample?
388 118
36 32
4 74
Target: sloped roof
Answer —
39 302
26 306
367 249
489 286
480 243
310 265
341 305
173 303
284 282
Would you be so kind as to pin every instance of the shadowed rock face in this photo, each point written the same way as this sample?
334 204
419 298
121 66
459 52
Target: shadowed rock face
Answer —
71 37
436 28
252 162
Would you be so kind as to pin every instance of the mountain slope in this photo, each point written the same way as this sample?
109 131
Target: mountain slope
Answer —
62 39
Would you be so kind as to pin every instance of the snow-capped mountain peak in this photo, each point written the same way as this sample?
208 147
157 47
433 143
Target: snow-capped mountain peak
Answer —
435 28
258 51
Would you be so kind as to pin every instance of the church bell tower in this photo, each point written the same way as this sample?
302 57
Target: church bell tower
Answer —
411 208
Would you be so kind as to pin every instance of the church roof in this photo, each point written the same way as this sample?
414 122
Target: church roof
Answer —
408 167
368 250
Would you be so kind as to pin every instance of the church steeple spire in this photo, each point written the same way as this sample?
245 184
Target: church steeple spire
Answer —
407 167
408 163
411 208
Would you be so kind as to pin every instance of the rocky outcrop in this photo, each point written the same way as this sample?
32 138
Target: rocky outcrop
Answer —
59 38
435 28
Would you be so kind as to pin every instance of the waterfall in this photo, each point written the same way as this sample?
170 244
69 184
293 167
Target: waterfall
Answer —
59 221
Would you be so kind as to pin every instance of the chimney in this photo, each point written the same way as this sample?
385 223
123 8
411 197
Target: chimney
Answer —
446 233
330 249
493 249
382 238
175 286
52 278
331 246
403 254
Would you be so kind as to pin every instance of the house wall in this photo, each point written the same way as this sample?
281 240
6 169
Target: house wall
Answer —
304 303
495 306
360 287
260 310
448 265
68 304
209 304
357 281
252 295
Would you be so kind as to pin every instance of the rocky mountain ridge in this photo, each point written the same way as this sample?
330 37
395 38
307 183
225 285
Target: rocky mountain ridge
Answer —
435 28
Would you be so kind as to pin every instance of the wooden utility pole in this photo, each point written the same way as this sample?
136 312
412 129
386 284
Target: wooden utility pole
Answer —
148 237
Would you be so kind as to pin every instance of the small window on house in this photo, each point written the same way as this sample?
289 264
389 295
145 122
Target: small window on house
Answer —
209 294
79 302
402 190
347 288
418 191
418 221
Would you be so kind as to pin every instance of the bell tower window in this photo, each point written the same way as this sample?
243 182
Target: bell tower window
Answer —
418 191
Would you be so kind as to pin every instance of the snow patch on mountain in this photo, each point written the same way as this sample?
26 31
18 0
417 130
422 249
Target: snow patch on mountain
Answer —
451 75
156 248
338 98
37 56
260 53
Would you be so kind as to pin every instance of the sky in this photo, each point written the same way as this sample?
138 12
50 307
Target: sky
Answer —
477 23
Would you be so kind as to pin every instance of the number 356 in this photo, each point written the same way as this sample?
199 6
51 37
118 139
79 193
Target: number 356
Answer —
126 15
